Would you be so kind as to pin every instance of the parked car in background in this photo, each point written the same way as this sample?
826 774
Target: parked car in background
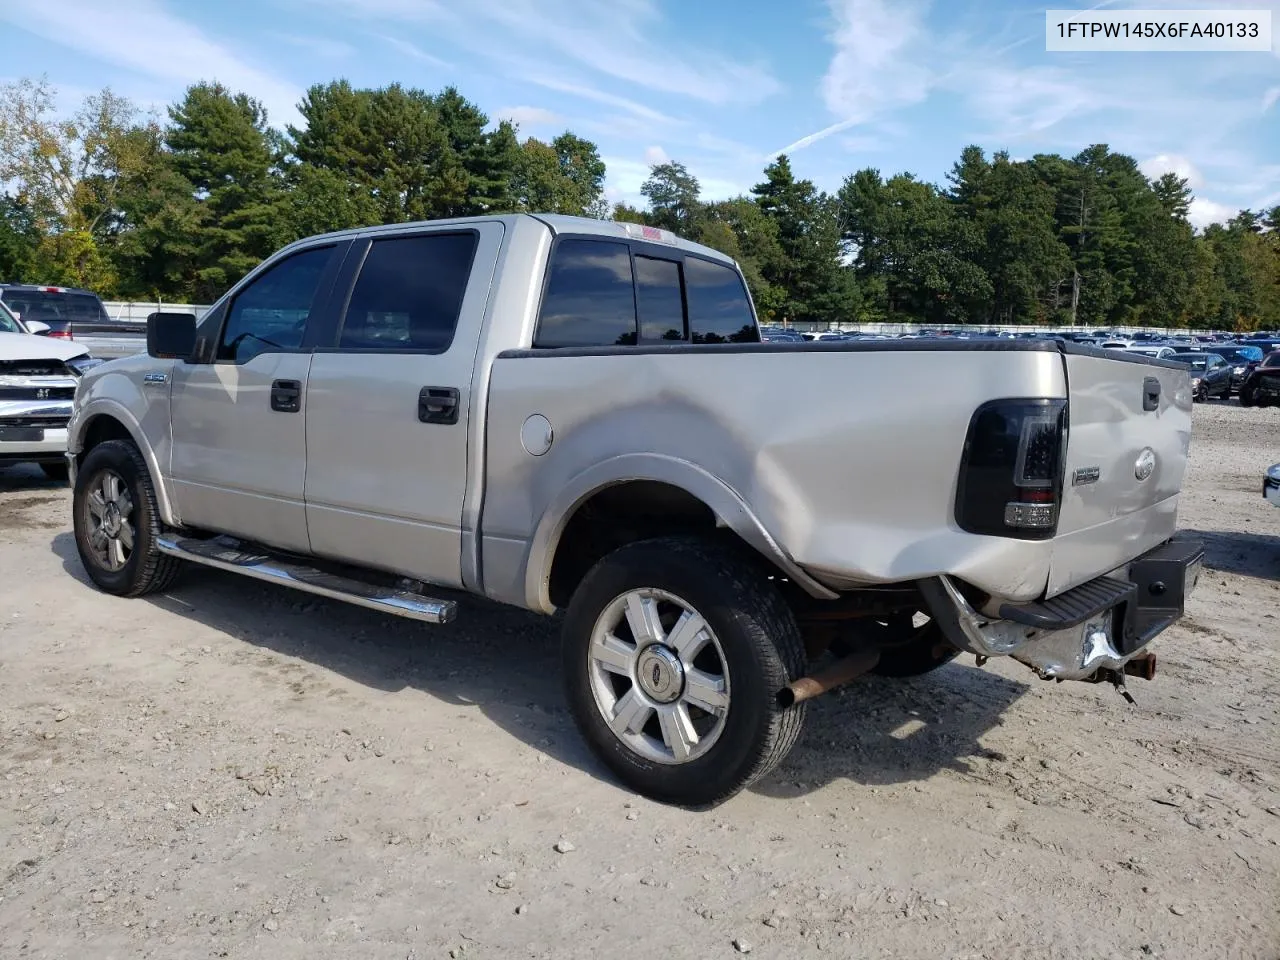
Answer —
1271 484
1117 344
62 310
1261 387
1210 375
38 377
1160 353
1241 358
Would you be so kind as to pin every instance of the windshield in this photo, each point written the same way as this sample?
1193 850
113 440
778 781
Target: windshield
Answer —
7 323
55 307
1273 360
1196 361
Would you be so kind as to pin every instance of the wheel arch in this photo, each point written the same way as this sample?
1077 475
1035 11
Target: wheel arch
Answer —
104 419
692 499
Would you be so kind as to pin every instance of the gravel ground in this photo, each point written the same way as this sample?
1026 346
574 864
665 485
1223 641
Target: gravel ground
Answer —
234 770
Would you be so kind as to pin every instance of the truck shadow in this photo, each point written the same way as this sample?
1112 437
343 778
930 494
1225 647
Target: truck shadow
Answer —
505 663
880 731
1247 554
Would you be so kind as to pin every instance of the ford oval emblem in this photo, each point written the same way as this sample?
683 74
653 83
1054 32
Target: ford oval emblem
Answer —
1145 465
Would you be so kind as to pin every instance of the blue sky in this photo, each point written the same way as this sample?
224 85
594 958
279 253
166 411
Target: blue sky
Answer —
720 85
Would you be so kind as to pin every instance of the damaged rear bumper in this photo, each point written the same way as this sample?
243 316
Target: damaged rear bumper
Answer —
1104 624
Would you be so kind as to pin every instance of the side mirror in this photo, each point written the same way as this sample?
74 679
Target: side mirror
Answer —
171 336
36 327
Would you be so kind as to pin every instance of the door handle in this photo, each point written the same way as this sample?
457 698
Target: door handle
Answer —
1150 394
286 395
438 404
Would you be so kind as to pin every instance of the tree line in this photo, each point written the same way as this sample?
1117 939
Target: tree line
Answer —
136 208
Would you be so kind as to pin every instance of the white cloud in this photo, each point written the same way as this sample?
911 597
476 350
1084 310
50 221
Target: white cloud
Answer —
1203 212
654 156
627 40
529 116
601 96
143 37
1155 167
415 52
321 47
874 68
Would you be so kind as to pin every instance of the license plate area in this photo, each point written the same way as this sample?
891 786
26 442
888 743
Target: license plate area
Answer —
21 434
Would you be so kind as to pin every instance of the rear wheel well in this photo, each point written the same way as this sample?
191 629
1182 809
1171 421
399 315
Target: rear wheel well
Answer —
628 512
100 429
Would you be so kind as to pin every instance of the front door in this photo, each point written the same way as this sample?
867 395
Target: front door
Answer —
239 453
388 405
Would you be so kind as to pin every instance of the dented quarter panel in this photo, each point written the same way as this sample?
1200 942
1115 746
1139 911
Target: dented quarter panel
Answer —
847 459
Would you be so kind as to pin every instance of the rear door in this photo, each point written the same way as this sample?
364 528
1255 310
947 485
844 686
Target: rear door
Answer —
388 402
1129 430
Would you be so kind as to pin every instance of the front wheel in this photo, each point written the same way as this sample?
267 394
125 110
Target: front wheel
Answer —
117 522
1247 397
675 651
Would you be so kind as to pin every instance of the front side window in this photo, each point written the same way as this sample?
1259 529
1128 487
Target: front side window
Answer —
270 314
590 297
719 311
409 294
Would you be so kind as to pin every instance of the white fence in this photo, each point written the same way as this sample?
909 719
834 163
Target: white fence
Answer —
137 312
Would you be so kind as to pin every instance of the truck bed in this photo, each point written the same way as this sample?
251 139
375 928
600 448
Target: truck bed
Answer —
847 453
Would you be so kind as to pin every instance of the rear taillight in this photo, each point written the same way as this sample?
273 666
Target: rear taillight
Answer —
1011 472
60 334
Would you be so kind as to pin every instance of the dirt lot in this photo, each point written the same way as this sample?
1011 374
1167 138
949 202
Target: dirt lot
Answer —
232 770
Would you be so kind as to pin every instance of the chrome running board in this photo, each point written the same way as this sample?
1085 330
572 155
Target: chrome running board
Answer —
263 566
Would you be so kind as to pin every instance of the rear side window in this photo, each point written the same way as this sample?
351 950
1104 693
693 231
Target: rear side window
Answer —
659 302
590 298
719 311
409 294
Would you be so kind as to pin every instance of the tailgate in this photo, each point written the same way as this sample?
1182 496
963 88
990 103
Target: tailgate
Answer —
1129 428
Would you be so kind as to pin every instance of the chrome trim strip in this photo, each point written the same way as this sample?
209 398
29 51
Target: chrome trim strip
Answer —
261 566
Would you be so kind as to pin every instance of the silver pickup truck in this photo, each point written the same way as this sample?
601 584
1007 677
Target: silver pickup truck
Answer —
579 416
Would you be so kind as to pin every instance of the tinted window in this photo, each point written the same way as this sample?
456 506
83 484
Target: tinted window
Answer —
589 300
271 313
658 299
718 307
1273 360
409 293
56 307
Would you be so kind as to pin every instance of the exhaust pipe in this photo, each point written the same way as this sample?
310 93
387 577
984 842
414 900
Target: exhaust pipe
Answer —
850 668
1143 665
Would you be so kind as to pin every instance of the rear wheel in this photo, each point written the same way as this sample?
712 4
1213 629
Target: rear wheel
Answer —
675 651
1247 397
117 522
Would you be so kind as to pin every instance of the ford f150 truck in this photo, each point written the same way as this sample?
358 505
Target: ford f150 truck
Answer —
579 416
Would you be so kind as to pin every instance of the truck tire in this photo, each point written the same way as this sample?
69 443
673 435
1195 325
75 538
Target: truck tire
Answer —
117 522
1247 397
682 646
